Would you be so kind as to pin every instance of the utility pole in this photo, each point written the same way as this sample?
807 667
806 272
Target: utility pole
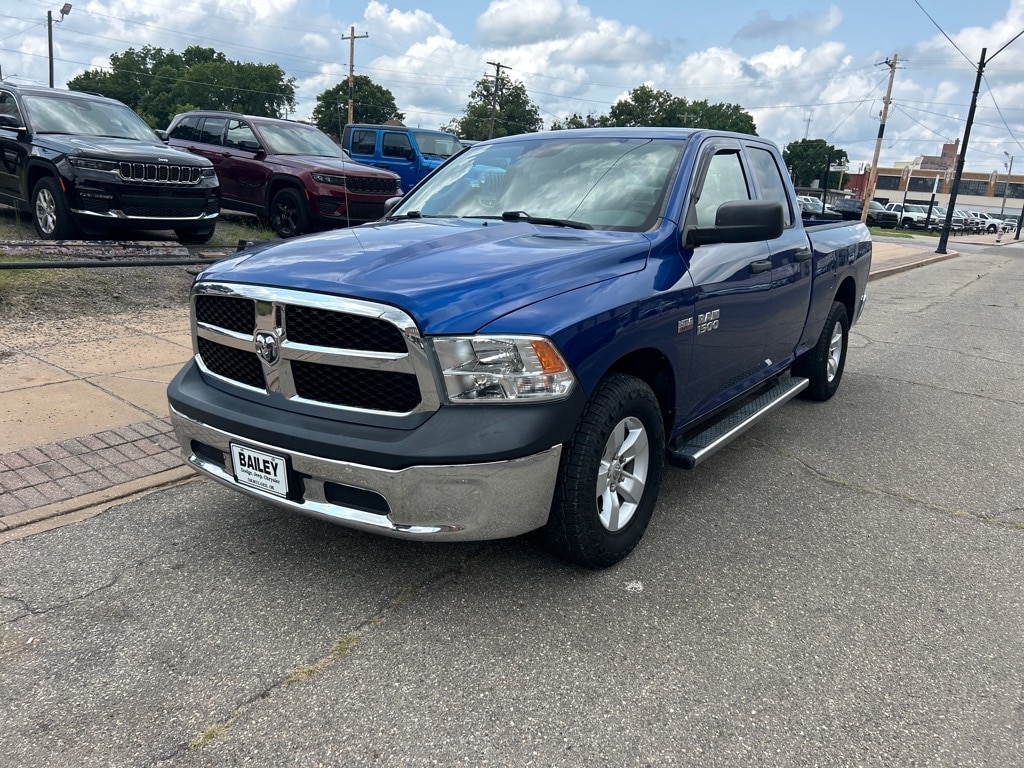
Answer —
494 96
955 188
869 193
351 67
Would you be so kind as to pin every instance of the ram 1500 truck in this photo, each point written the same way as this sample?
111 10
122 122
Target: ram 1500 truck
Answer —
524 341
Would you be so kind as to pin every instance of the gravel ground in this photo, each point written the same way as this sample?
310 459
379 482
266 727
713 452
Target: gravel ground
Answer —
38 294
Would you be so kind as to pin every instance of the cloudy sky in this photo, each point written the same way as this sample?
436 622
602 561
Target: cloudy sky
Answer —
802 69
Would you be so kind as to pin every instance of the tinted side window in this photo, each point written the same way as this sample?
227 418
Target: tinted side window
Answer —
240 136
396 145
363 142
8 106
723 182
211 131
185 129
769 179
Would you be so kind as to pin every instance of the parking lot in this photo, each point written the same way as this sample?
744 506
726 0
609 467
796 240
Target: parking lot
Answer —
839 587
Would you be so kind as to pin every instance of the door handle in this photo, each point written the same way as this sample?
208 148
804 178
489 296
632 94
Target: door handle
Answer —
761 265
803 254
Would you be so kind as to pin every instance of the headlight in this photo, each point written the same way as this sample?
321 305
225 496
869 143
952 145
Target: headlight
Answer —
488 369
91 164
209 173
329 178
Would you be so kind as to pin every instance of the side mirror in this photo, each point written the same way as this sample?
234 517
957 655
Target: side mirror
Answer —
250 145
390 204
740 221
161 134
13 122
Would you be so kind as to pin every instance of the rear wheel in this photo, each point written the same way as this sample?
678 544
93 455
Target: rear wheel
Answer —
609 476
50 211
823 365
288 213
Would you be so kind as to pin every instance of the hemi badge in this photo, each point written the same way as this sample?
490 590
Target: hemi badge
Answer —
685 325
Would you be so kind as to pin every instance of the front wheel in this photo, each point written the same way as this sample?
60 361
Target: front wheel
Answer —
50 211
609 475
288 213
823 365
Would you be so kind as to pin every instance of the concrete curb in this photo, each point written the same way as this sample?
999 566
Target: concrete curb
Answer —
897 268
55 515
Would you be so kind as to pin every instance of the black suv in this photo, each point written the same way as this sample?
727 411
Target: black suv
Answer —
82 162
878 216
289 173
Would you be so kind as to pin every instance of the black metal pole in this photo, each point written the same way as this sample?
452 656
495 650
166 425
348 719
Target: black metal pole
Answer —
955 188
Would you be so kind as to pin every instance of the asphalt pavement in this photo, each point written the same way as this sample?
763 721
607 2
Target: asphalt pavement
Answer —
83 414
840 587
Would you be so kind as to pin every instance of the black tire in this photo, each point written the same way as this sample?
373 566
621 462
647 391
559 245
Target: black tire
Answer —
288 213
194 236
823 364
609 476
50 211
991 228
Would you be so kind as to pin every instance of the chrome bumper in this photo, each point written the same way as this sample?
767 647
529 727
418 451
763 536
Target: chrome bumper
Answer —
465 502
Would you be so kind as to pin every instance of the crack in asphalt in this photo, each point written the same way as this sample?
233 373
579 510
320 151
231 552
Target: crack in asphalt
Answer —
340 649
979 517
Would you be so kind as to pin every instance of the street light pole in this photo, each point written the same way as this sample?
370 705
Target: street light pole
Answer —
1006 184
64 11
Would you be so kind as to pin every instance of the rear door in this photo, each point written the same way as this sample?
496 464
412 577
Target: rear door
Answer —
791 259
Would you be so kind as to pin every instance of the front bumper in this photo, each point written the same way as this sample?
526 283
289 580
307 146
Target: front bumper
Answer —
461 502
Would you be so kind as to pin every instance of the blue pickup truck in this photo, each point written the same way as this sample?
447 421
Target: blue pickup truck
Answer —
523 342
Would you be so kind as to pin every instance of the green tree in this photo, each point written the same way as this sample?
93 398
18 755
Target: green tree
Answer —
576 120
371 103
646 106
158 84
808 159
506 112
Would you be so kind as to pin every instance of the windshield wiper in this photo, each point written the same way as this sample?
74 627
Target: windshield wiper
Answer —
524 216
409 215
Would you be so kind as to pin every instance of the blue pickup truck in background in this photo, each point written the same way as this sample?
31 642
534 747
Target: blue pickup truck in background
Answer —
524 342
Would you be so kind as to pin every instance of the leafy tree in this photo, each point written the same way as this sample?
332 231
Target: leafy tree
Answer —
646 106
371 103
506 112
575 120
808 159
157 84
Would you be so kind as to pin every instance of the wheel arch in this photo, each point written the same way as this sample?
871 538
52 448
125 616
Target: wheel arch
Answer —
35 172
277 183
653 368
847 294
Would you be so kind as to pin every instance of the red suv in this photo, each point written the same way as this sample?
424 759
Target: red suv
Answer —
289 173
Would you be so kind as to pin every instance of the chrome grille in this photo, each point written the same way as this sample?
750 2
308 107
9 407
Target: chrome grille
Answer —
316 351
160 173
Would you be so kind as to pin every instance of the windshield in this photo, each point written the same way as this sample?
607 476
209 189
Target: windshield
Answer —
57 113
437 144
603 183
298 139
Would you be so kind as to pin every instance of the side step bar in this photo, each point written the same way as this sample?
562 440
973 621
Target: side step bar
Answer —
704 444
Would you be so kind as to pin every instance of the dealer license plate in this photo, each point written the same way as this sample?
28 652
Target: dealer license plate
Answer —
256 469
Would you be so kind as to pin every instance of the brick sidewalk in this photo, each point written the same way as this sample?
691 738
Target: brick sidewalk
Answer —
69 469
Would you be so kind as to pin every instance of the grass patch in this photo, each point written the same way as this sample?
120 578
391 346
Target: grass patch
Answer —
339 650
210 734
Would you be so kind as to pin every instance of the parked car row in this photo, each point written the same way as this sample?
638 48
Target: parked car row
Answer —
84 164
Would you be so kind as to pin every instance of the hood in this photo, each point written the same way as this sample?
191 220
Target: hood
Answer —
451 275
107 148
334 165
